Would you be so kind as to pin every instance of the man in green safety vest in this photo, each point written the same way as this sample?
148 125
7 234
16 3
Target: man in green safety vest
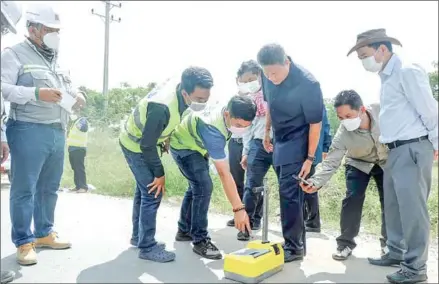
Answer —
77 147
147 131
199 136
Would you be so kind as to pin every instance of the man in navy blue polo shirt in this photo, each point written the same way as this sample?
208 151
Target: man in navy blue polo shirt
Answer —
295 105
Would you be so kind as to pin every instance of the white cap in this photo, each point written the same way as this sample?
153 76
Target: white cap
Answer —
43 14
11 12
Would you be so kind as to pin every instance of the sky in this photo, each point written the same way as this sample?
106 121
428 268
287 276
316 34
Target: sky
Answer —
156 40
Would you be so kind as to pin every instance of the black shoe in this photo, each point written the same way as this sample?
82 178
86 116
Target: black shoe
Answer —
312 230
183 237
384 260
290 256
207 250
231 223
256 226
405 277
243 236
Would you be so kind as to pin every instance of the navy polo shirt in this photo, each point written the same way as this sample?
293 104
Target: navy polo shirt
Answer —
294 104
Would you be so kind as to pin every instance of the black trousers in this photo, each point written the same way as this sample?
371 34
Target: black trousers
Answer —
77 162
235 156
352 205
312 212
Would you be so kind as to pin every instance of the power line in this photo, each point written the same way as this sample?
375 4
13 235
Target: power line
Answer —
108 19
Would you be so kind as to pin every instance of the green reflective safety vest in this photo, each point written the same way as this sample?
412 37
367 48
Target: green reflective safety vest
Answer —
166 94
185 136
77 138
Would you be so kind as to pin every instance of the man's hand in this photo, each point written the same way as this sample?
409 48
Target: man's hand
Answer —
435 155
5 152
306 168
310 188
244 162
324 155
242 222
268 146
49 95
166 145
158 185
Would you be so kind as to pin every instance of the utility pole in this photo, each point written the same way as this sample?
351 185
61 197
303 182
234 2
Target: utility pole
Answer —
108 19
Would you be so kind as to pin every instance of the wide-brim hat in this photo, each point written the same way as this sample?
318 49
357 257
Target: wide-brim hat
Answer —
373 36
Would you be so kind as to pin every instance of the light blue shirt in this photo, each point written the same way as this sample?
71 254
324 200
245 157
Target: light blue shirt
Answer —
408 108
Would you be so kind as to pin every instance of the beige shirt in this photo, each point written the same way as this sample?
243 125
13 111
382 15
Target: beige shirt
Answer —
361 148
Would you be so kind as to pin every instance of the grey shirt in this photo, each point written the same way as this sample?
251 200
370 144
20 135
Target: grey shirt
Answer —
408 108
361 148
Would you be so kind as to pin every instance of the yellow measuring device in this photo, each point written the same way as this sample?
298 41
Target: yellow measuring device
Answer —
261 258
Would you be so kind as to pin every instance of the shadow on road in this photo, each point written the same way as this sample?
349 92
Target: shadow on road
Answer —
10 263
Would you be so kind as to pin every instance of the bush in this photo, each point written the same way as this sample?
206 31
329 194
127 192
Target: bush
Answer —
107 170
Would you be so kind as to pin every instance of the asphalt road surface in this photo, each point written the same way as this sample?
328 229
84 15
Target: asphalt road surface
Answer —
99 228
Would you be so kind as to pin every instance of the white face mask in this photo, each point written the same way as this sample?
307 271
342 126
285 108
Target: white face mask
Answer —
371 65
195 106
239 130
351 124
51 40
250 87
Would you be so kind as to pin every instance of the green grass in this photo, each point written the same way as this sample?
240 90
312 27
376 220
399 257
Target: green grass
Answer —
108 171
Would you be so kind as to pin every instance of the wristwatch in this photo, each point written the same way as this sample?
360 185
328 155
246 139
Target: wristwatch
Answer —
311 158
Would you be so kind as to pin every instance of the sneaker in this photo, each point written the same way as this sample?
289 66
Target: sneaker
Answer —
157 254
183 237
403 277
342 253
26 254
243 236
256 226
207 249
82 190
134 242
290 256
52 241
384 260
7 276
231 223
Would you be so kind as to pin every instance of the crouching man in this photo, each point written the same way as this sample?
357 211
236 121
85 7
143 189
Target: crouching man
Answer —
357 138
199 136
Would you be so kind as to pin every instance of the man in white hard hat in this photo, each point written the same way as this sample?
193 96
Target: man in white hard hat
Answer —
11 15
41 100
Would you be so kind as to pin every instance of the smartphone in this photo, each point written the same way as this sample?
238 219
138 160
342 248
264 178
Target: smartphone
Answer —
300 179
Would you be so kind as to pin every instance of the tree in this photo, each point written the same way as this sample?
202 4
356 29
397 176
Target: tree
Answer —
332 116
434 81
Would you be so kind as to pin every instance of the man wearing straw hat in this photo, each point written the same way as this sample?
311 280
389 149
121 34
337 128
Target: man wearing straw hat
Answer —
409 127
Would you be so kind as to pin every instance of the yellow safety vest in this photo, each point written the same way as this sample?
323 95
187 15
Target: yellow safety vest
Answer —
166 94
77 138
185 136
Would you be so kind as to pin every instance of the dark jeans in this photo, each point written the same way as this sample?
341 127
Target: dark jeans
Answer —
37 160
196 201
291 207
77 162
258 164
235 156
145 205
352 205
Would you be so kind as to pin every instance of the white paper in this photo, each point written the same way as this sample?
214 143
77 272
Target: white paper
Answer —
67 102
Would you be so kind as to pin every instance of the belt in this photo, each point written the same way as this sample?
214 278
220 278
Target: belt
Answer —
398 143
238 140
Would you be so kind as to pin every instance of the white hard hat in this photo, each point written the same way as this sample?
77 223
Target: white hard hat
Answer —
43 14
11 12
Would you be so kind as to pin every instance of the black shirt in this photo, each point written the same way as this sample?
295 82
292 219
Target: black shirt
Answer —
157 120
294 104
